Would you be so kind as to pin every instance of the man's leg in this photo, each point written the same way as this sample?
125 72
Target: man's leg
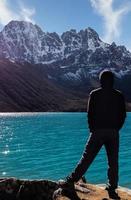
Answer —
93 146
112 149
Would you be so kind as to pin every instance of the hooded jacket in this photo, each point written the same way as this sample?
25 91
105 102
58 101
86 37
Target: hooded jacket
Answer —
106 109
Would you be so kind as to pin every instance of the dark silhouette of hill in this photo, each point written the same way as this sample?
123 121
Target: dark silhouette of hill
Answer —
25 87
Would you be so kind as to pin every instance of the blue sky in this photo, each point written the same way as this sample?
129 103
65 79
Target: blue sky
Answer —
110 18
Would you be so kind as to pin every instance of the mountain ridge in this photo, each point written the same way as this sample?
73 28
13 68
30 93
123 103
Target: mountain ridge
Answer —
24 42
69 62
30 43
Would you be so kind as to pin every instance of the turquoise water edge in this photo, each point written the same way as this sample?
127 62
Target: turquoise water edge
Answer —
49 145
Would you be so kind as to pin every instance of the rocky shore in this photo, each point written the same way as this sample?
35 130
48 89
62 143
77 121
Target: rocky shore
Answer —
15 189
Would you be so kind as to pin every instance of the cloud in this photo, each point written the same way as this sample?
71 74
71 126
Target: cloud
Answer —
26 13
112 17
7 14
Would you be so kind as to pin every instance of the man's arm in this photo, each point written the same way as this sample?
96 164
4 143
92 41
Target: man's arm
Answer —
123 111
90 111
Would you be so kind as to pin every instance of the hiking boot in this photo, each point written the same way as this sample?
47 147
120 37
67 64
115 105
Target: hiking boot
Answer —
67 183
112 193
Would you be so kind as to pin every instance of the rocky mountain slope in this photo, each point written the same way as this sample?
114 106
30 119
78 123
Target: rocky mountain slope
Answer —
29 43
25 87
32 60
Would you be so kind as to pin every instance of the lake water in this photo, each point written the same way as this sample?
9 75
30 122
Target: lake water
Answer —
49 145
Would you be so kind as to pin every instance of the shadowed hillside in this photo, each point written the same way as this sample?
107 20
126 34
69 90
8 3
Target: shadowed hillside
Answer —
24 87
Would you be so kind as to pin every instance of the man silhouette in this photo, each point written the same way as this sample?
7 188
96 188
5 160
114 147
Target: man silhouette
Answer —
106 116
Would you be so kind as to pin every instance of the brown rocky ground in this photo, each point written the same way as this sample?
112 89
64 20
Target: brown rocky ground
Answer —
15 189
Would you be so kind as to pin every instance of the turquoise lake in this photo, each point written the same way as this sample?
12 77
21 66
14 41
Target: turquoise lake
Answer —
49 145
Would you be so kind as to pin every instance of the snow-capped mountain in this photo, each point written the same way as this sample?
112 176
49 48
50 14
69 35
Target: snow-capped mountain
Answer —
43 71
23 41
75 55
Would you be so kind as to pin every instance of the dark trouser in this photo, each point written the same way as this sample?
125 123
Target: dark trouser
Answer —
108 138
